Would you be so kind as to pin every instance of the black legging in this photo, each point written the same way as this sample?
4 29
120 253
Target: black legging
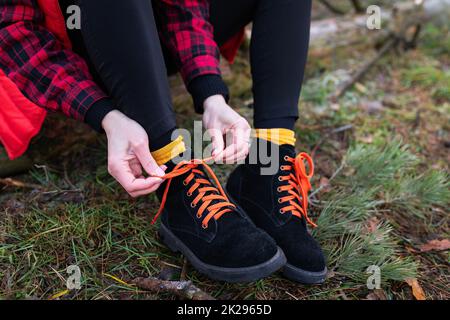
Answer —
120 41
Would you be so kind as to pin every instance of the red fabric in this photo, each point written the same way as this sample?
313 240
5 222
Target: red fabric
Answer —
20 119
35 56
187 32
230 48
47 72
36 62
54 20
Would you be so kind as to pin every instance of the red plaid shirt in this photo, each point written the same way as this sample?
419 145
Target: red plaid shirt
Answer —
189 35
54 77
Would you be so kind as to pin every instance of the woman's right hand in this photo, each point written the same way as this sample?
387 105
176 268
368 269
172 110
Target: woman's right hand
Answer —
129 155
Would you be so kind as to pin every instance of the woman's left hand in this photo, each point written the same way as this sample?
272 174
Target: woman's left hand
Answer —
221 120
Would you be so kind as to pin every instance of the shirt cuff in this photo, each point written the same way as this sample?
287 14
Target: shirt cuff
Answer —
94 116
205 86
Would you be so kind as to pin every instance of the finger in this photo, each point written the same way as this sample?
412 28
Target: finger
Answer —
236 157
238 148
241 133
129 182
243 142
156 183
151 186
229 153
136 168
217 141
144 192
142 152
235 152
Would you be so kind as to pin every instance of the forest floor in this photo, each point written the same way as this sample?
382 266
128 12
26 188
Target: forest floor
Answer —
382 156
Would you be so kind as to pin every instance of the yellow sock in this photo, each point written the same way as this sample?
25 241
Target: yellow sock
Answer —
277 136
169 152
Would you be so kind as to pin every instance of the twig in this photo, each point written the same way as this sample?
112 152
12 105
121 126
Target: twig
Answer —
18 184
335 174
326 135
66 177
358 6
184 270
182 289
412 43
43 167
58 192
391 43
332 8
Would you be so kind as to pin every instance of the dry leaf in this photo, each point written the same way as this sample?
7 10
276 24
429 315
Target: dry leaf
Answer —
377 294
325 184
372 107
335 106
360 87
331 274
417 290
435 245
367 139
372 224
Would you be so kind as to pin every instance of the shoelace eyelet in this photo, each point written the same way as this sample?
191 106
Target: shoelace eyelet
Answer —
204 227
280 201
286 158
282 211
207 196
279 189
199 216
189 194
280 178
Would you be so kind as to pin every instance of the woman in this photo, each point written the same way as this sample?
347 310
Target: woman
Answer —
112 74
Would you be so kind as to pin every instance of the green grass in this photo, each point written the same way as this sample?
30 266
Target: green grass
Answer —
114 237
432 78
436 39
376 179
388 195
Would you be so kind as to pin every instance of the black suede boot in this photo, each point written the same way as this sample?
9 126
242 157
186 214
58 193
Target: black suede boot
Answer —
275 204
219 240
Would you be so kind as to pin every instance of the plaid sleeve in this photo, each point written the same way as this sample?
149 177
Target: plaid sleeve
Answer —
46 73
188 34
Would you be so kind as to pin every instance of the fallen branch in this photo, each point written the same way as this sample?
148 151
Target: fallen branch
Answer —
18 184
10 168
335 174
357 6
181 289
331 7
328 134
330 34
390 44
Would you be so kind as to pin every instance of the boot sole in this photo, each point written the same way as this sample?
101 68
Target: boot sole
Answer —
232 275
303 276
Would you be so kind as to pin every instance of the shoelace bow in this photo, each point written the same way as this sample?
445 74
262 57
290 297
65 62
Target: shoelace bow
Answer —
298 185
207 193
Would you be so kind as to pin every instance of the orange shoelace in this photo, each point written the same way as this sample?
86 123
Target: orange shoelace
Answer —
298 185
207 193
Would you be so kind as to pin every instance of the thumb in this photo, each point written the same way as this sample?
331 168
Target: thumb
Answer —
149 164
217 141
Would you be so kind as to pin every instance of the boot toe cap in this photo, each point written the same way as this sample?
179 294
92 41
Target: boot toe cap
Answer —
250 248
306 255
